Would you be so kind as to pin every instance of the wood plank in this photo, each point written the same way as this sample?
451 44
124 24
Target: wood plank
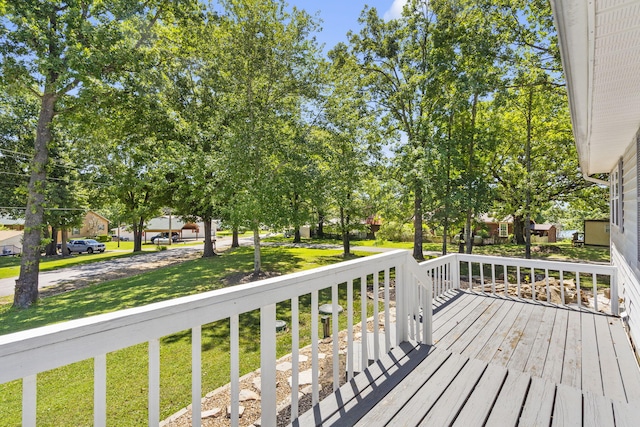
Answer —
398 358
478 407
540 348
625 414
511 336
567 411
452 400
481 337
442 325
460 331
451 307
481 330
412 394
538 406
516 359
555 355
494 342
350 410
610 370
572 364
598 411
591 375
512 395
626 361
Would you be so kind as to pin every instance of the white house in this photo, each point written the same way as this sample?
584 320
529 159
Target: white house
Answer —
600 47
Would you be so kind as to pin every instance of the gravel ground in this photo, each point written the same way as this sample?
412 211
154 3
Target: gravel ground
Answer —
219 399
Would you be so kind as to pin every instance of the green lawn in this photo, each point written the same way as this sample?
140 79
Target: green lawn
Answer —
64 394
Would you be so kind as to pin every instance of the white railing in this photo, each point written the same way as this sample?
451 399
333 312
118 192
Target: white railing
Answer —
564 283
24 355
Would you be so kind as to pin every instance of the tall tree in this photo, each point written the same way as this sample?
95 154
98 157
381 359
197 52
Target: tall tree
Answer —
270 69
55 49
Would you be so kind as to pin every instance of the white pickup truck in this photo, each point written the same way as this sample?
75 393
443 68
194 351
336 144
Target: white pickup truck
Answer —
85 245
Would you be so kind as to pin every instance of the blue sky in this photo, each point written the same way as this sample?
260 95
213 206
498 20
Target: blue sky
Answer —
340 16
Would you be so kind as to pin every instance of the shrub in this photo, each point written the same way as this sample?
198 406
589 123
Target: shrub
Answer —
103 238
396 232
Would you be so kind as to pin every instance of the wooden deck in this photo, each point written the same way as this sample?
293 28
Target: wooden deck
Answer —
497 362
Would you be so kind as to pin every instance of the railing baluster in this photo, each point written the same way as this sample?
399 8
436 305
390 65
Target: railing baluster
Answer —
482 277
234 344
493 279
546 278
562 287
196 376
29 400
505 279
154 382
387 319
376 315
350 353
295 356
411 305
314 348
532 281
470 284
595 292
336 341
268 365
578 291
518 279
100 390
426 307
363 321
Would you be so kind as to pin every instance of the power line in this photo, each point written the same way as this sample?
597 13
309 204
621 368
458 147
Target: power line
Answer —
27 157
46 209
50 178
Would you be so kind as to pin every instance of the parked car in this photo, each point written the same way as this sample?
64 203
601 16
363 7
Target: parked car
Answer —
84 245
174 237
114 238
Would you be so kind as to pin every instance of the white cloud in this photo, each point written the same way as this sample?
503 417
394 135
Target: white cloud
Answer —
395 11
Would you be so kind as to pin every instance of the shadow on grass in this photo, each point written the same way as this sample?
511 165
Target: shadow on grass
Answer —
191 277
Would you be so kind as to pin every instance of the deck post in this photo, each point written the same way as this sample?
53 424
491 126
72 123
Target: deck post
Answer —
402 283
268 364
615 299
455 272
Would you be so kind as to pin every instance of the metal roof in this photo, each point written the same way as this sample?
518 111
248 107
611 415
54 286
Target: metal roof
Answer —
600 48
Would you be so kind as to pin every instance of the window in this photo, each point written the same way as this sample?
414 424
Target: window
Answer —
615 189
503 229
75 232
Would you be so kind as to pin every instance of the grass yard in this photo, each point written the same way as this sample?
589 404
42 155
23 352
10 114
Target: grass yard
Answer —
65 394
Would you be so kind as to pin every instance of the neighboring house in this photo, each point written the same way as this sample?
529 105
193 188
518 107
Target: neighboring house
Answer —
543 233
497 228
93 225
12 223
600 47
10 241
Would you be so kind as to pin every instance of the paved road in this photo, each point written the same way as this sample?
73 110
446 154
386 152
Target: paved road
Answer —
94 270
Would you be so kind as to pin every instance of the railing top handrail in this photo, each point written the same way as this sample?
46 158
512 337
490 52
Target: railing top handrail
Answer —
81 339
538 263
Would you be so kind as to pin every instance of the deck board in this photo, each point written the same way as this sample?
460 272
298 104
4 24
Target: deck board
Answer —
555 355
497 361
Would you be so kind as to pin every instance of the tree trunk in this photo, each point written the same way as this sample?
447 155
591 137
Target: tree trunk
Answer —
320 225
470 171
417 222
52 248
208 242
63 245
518 229
344 227
235 243
26 290
296 236
527 220
447 206
137 235
256 250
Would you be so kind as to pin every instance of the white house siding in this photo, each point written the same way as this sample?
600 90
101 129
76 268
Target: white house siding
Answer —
624 241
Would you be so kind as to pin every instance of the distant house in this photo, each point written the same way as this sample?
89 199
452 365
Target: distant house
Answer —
543 233
12 223
93 225
497 228
597 232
